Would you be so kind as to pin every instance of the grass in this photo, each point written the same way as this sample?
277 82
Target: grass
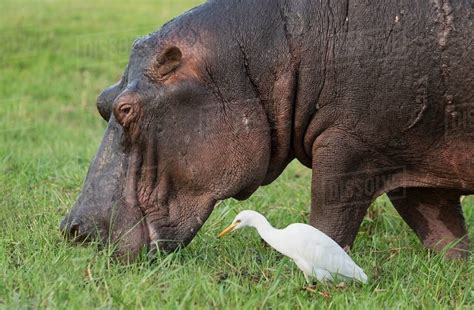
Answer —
55 57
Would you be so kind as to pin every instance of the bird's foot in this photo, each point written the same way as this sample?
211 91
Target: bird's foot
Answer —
341 285
311 285
312 288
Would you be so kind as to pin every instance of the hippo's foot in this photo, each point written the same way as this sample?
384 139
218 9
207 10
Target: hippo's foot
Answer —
436 217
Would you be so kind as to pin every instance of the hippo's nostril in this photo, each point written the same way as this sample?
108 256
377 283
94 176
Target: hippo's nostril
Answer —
74 230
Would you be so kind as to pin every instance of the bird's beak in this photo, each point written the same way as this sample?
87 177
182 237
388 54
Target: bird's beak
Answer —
229 229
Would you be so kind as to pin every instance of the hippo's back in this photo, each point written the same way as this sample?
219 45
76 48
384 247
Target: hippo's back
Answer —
404 63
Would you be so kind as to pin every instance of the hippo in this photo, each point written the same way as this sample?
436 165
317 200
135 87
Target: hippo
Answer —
374 97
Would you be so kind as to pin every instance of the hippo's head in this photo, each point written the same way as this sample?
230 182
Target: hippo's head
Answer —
175 144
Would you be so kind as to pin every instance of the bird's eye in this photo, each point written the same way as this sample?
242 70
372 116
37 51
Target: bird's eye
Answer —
238 221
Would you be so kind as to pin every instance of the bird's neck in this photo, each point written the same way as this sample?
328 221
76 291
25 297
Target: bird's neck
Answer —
263 227
270 234
273 236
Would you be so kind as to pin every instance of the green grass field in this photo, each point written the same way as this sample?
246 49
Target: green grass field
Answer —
55 57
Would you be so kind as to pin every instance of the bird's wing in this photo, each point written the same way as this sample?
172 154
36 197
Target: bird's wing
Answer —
321 252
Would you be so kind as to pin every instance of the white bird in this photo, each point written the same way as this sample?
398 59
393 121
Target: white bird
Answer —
316 254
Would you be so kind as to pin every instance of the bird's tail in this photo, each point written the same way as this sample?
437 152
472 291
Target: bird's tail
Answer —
360 275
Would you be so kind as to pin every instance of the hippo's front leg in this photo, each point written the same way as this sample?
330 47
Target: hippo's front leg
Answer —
343 185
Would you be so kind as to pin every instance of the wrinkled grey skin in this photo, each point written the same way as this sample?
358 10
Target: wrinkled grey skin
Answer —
374 97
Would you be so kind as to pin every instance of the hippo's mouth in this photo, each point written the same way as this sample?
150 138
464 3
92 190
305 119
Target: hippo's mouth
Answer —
167 234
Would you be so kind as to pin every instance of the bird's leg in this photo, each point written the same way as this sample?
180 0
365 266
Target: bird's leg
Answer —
308 281
310 284
346 178
435 215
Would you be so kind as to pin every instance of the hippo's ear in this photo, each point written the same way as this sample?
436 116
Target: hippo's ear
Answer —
168 61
